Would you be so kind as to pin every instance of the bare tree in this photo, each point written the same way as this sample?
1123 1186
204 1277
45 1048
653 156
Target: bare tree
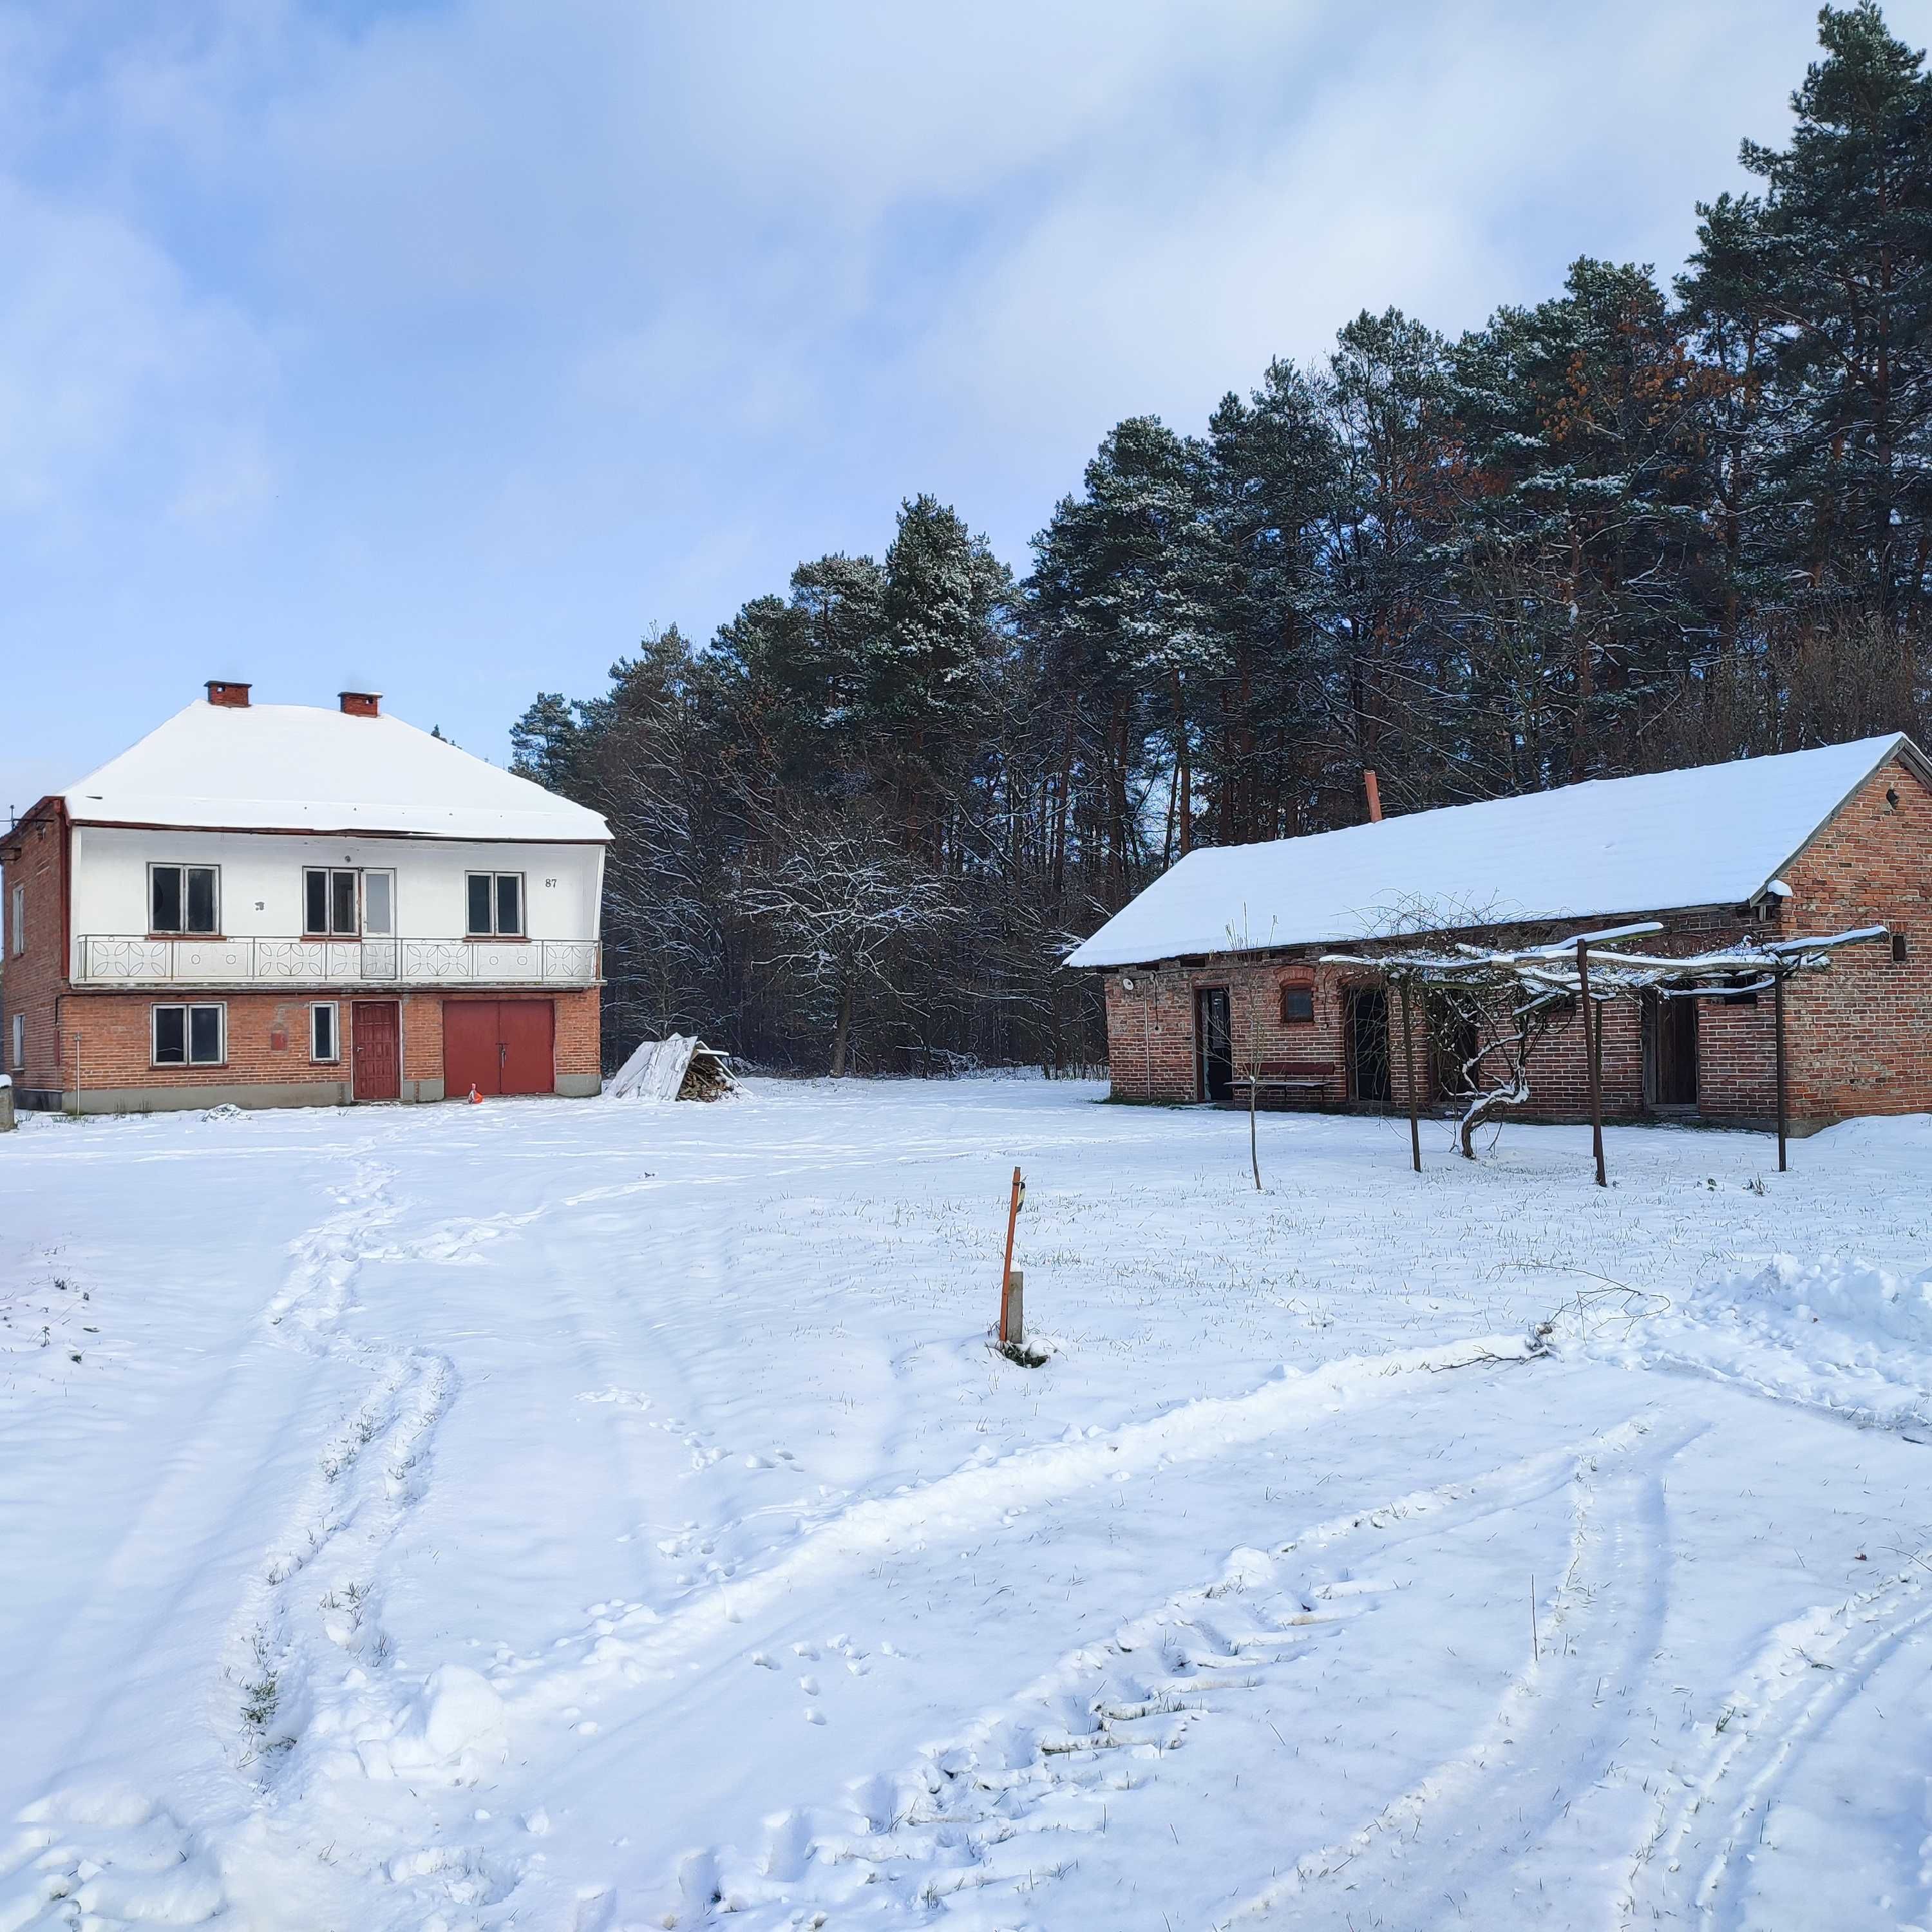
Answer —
841 906
1483 1032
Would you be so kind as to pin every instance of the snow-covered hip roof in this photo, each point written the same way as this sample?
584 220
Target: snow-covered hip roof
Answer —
298 768
1715 835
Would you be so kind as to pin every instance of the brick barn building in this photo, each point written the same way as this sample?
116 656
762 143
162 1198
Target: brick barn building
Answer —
282 905
1217 967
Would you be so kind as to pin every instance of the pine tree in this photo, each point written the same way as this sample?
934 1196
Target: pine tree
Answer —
1847 220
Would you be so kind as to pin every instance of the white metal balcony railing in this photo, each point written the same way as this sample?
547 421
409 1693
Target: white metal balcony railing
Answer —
136 960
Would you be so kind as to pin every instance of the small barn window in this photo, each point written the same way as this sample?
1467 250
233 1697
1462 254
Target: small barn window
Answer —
20 1041
1298 1006
1900 952
17 922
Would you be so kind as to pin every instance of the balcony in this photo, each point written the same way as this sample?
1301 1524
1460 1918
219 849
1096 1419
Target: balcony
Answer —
135 960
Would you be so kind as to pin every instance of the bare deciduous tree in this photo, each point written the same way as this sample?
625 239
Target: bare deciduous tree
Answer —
839 904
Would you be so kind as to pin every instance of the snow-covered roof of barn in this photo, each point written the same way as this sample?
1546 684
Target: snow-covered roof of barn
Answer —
1714 836
299 768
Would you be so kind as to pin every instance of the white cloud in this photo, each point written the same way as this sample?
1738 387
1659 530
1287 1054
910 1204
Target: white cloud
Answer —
117 381
472 338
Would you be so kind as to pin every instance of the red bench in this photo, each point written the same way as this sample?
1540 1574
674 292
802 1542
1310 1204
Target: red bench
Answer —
1313 1077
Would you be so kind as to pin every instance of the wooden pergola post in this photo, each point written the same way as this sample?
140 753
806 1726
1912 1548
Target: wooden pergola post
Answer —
1777 1011
1593 1034
1408 1070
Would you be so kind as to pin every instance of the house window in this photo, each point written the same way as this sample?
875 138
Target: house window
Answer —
1900 951
194 1035
1298 1006
322 1042
338 902
20 1041
496 905
16 924
184 899
329 904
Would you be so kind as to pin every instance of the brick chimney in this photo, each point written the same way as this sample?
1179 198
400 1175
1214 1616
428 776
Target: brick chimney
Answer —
221 691
361 703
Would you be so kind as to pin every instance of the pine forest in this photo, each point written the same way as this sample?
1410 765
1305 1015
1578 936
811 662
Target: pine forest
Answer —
1634 527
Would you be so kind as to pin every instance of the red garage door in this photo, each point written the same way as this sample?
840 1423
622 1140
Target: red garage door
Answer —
498 1046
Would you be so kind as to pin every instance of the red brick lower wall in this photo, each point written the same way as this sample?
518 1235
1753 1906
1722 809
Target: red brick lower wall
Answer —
580 1043
104 1044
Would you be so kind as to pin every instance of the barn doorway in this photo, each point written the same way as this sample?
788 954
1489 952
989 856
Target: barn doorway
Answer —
498 1046
1669 1051
375 1050
1214 1045
1368 1034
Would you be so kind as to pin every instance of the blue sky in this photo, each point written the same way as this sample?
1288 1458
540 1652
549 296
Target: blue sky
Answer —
446 348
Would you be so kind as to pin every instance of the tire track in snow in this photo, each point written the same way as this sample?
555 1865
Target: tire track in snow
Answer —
1688 1869
628 1644
103 1855
319 1697
1000 1805
1553 1738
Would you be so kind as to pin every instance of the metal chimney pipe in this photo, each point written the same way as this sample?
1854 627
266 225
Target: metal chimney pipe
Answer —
1375 792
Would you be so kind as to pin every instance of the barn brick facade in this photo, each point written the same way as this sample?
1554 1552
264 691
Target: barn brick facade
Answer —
1858 1036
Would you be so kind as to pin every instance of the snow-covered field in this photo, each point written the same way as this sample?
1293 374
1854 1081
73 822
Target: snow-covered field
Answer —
584 1515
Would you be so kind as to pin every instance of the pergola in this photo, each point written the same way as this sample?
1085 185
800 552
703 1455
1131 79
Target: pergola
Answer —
1588 972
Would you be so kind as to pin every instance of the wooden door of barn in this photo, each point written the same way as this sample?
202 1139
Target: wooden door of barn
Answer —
1214 1045
1369 1045
1669 1051
498 1046
375 1051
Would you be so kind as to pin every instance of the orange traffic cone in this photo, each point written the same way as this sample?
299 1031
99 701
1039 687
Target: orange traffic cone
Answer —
475 1098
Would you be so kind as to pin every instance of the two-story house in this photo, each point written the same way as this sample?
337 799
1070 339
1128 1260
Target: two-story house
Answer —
283 905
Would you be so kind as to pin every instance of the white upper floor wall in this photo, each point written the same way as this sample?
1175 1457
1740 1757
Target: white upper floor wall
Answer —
260 889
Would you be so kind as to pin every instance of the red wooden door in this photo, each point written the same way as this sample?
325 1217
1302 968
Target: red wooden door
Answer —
524 1034
471 1056
375 1039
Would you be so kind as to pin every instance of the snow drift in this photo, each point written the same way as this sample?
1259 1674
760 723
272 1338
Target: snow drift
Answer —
1836 1332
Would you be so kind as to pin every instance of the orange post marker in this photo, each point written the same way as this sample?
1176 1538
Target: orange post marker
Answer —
1006 1274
